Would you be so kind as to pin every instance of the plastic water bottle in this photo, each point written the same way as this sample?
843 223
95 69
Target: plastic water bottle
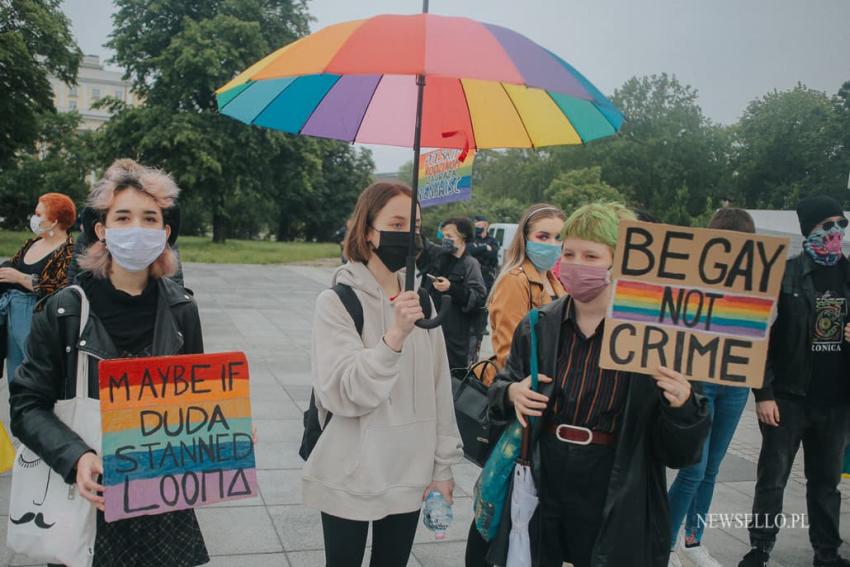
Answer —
437 514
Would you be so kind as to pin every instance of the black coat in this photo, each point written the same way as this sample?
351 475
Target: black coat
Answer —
486 251
48 373
468 295
789 356
652 435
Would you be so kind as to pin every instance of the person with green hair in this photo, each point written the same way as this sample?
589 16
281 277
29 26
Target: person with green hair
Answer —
601 438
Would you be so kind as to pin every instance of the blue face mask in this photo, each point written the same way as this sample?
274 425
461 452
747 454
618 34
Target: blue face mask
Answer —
543 256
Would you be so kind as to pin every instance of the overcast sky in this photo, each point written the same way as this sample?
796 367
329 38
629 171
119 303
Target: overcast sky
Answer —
731 51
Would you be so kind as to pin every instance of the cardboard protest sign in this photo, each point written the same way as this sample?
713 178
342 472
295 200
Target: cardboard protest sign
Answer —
176 433
696 300
443 178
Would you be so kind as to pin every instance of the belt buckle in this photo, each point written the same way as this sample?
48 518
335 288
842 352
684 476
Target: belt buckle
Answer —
576 428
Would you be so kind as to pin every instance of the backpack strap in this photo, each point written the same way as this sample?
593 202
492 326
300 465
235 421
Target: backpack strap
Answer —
355 308
352 305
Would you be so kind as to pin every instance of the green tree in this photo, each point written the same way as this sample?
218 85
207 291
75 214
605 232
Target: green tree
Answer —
344 174
58 161
522 175
666 144
788 144
578 187
177 53
35 42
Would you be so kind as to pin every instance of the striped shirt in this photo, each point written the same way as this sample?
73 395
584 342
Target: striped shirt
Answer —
586 395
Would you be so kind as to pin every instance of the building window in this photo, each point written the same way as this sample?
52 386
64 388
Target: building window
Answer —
72 104
119 94
72 91
95 94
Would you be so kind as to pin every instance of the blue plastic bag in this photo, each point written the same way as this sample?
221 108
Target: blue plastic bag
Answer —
491 488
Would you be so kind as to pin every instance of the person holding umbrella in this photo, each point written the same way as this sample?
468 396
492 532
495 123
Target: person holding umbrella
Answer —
393 437
602 438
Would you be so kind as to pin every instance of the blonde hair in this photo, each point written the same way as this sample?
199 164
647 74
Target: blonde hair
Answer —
122 175
515 255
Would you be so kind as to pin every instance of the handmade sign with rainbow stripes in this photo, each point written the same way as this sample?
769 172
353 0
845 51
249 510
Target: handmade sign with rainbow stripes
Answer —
692 308
695 300
177 433
444 178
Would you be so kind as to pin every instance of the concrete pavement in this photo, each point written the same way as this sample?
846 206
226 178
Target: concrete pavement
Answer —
266 311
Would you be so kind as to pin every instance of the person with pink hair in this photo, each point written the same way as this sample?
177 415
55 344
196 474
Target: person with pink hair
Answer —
136 311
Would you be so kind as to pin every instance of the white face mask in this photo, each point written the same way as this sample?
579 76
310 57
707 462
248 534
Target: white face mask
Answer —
135 248
35 225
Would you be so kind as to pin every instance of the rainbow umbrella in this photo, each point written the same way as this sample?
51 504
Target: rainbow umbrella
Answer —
423 81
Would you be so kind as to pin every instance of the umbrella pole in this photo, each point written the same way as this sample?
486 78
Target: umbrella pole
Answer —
410 275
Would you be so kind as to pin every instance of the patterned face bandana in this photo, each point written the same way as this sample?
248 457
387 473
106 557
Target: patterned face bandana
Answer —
824 246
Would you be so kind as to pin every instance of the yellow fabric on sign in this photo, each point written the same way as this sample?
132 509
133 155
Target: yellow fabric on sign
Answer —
543 119
7 451
494 119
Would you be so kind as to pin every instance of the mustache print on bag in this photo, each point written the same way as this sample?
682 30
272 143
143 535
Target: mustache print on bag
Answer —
29 517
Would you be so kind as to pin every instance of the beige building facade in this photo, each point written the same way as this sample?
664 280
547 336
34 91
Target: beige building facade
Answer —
93 83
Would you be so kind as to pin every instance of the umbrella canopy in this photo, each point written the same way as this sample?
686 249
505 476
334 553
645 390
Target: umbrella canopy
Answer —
357 82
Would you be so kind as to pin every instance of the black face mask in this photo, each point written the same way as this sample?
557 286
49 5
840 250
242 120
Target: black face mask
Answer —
392 249
448 246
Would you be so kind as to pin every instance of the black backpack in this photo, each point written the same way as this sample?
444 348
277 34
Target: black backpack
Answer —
312 428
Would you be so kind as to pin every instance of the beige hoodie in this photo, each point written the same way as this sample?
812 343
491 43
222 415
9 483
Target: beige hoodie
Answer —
393 430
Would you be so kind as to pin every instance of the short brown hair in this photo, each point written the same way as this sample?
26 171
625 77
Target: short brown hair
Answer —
371 201
731 218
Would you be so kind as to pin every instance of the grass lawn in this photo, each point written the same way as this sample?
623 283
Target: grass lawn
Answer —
200 249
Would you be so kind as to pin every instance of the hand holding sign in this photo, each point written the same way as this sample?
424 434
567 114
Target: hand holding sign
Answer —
676 389
89 467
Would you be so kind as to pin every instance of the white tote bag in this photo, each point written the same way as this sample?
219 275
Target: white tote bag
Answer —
48 519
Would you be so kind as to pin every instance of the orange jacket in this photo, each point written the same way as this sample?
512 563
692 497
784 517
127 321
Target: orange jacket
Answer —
513 296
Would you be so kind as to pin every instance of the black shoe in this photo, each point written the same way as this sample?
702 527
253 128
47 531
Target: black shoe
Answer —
755 558
837 561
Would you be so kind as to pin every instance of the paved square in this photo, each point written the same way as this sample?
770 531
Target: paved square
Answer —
266 311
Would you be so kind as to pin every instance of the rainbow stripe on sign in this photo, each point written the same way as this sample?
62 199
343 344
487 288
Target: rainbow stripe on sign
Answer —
177 433
691 308
443 178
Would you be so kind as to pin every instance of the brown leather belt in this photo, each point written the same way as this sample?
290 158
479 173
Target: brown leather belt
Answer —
578 435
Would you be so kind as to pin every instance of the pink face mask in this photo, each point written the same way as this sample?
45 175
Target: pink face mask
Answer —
584 283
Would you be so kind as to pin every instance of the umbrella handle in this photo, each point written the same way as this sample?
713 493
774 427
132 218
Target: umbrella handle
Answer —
434 322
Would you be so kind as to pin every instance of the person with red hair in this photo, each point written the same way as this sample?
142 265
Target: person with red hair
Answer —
38 269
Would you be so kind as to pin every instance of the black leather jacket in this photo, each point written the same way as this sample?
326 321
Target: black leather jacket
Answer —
48 373
636 526
789 357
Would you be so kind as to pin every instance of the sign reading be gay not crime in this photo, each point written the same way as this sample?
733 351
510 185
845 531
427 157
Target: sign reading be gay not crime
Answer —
176 433
696 300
